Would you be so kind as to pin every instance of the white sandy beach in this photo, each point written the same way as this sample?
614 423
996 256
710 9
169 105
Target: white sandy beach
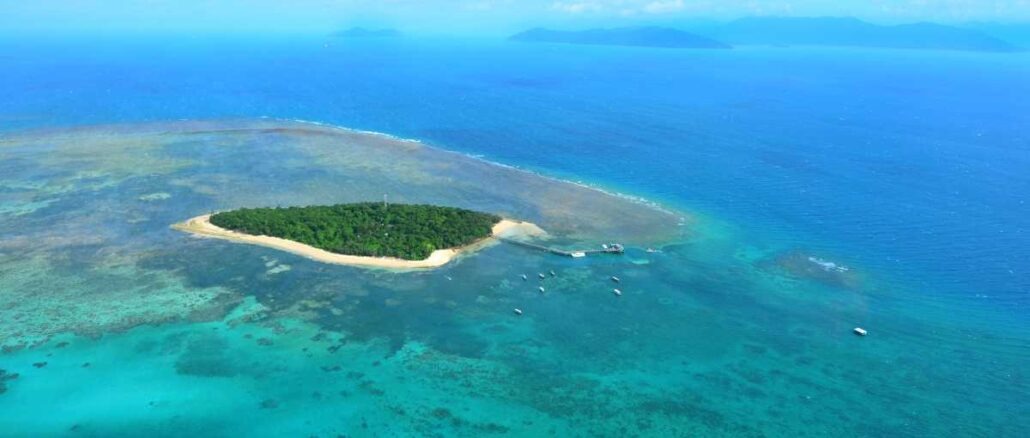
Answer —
202 226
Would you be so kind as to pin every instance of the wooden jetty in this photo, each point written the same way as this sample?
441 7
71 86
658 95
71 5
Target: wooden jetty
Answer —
612 248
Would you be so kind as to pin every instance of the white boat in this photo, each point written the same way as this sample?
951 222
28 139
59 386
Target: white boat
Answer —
617 292
553 274
518 311
860 331
578 254
615 279
542 276
541 289
525 277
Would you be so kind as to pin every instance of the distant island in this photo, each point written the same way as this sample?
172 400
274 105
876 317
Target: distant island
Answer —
363 234
830 31
360 32
1015 33
651 36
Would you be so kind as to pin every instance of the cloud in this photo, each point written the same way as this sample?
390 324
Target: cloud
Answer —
487 5
578 7
495 17
621 7
663 6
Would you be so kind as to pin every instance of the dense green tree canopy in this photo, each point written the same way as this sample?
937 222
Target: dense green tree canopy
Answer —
410 232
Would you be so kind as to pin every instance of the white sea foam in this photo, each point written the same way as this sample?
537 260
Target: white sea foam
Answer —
632 198
828 265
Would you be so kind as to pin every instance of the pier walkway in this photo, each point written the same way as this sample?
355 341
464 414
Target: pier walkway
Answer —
613 248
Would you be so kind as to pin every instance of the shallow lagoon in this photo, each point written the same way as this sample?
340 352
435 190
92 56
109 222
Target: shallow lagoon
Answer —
117 325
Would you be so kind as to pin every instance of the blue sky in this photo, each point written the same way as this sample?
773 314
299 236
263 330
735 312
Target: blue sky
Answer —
460 16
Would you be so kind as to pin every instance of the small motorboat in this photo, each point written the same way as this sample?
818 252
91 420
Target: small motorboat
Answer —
616 279
553 274
541 275
541 288
518 311
617 292
860 331
525 277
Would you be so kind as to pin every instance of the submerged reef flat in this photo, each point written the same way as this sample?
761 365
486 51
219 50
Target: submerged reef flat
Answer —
40 298
800 264
85 248
233 164
710 336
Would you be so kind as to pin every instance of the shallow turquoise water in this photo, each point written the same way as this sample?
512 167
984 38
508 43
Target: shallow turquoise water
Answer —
730 330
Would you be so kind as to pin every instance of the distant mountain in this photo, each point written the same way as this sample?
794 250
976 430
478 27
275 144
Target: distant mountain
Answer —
854 32
626 36
360 32
1016 33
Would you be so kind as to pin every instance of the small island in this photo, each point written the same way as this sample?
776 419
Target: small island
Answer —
362 234
852 32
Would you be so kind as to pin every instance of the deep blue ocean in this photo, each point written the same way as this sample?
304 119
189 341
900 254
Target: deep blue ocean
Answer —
910 167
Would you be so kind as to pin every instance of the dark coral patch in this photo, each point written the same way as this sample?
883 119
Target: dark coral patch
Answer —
4 377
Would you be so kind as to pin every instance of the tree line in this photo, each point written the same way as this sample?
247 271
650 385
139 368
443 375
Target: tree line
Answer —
405 231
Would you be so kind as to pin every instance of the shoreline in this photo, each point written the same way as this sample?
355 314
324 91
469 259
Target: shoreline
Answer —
201 226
